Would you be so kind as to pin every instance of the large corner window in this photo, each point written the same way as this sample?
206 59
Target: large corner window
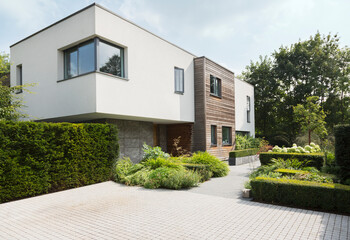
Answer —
213 135
179 80
93 55
19 78
226 136
248 109
215 86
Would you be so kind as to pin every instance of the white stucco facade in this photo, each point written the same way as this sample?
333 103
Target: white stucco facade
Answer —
146 92
243 90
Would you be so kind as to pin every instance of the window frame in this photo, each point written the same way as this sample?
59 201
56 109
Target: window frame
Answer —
19 78
248 109
183 80
96 42
215 142
230 136
217 86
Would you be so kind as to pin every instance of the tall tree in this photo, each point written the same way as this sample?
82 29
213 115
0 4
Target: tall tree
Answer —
315 67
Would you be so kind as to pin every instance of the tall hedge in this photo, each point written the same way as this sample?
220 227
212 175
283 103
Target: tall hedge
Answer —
38 158
316 159
342 150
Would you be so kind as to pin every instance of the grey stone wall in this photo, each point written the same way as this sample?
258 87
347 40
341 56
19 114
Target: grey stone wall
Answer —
132 135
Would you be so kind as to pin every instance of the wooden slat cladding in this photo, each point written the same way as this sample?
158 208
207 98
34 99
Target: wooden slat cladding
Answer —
199 136
211 110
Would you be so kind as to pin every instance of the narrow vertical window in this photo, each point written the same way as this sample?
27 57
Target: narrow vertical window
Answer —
179 80
248 109
19 78
213 135
215 86
226 136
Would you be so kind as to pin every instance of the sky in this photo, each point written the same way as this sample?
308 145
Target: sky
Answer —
230 32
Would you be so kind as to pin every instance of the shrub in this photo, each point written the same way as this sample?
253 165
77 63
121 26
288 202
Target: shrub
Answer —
138 178
246 142
325 196
291 171
160 162
38 157
153 153
172 178
315 159
342 150
312 148
217 167
243 153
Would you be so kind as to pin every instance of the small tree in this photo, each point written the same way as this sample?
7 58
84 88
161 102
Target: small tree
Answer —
311 117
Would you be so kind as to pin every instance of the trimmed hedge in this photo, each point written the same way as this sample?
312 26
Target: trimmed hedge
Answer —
342 150
291 171
317 159
38 157
325 196
244 152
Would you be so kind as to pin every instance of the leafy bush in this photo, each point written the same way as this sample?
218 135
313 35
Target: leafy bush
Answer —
172 178
217 167
246 142
153 153
312 148
38 157
325 196
313 159
160 162
122 169
342 150
243 153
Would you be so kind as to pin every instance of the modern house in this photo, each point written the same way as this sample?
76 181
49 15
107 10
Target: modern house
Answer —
95 66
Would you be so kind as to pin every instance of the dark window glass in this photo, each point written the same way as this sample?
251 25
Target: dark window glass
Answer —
179 80
71 63
19 79
215 86
86 60
213 135
111 59
226 136
248 109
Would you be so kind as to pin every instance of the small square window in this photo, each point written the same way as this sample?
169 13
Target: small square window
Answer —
215 86
226 136
213 135
179 80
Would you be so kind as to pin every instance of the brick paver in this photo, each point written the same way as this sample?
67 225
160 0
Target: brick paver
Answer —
113 211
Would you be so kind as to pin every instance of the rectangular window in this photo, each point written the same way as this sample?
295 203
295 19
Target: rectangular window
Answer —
111 59
215 86
213 135
248 109
226 136
179 80
93 55
19 78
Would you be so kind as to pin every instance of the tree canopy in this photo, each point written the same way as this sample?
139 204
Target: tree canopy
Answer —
318 67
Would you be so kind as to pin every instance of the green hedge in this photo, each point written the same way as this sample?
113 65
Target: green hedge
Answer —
342 150
244 152
325 196
37 158
317 159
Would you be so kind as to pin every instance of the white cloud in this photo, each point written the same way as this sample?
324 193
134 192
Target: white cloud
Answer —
29 15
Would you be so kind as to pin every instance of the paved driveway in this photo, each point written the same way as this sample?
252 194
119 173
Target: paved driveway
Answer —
112 211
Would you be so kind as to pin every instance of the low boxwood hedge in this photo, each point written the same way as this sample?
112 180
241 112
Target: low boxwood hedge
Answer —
38 157
244 152
324 196
316 159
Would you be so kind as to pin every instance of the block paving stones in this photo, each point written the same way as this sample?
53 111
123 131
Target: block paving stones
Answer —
113 211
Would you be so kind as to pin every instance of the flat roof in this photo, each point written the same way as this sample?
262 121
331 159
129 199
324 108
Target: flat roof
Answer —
97 5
